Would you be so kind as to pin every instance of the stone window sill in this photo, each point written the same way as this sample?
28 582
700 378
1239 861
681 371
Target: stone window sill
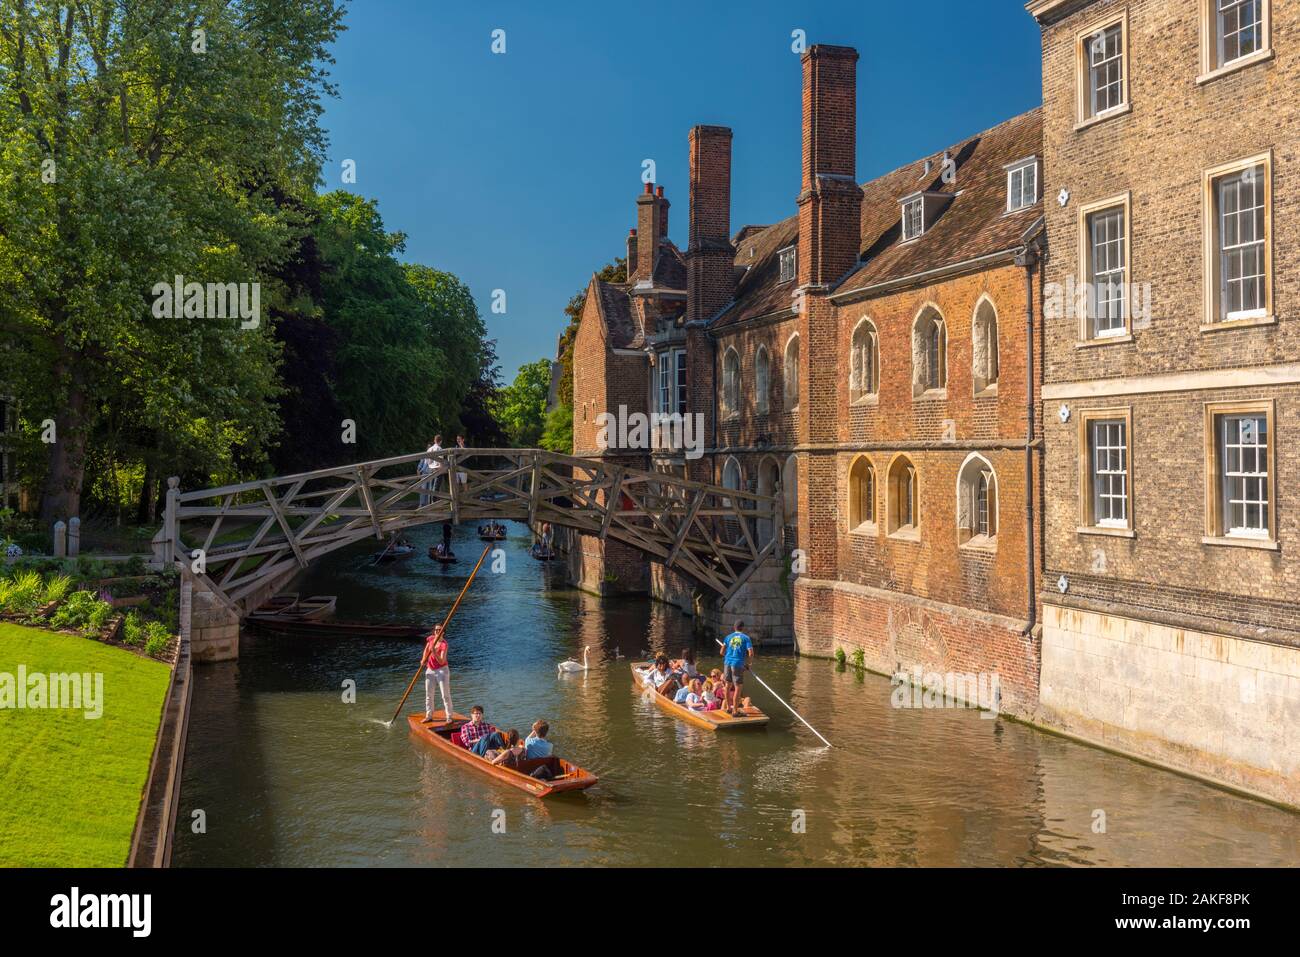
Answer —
988 392
1104 530
985 544
1241 541
1104 341
1260 56
911 535
869 399
1238 323
865 529
933 394
1121 110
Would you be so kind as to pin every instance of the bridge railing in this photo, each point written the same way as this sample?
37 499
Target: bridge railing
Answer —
249 536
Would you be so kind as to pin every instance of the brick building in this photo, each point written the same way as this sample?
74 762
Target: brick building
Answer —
923 318
1171 385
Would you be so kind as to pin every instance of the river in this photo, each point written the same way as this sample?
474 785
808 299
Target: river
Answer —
286 772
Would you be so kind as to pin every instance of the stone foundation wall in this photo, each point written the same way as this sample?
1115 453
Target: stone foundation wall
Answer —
212 628
1212 705
899 632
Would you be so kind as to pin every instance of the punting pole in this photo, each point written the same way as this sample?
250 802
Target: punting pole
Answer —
445 622
782 700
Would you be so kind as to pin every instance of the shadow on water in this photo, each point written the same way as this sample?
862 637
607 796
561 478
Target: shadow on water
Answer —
289 774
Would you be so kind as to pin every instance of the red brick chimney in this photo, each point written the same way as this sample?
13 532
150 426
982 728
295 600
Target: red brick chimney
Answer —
663 212
710 258
631 251
830 202
648 214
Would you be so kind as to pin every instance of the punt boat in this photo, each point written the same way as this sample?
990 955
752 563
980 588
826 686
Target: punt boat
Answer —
565 776
713 720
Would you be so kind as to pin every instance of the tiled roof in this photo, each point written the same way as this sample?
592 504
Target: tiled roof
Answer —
670 267
975 222
615 307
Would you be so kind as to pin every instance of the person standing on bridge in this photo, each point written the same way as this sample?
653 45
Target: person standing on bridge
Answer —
437 673
737 653
434 462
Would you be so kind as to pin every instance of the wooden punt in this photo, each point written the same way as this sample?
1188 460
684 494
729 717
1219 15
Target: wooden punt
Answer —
291 608
713 720
543 553
309 628
279 605
568 777
487 533
394 554
448 559
317 606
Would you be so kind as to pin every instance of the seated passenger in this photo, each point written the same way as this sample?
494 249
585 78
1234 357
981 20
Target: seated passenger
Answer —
686 664
680 696
695 696
658 675
509 753
712 695
536 745
474 729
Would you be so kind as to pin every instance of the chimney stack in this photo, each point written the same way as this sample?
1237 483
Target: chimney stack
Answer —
631 252
830 202
663 212
710 258
648 213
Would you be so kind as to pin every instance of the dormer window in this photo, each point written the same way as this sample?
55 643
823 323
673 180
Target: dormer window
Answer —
1022 184
787 263
913 217
920 210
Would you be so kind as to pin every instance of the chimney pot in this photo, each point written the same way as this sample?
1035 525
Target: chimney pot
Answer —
649 188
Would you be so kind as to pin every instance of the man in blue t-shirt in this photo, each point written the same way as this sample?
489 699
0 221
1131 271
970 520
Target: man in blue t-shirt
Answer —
737 653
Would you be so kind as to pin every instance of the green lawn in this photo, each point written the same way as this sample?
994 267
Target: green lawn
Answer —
71 787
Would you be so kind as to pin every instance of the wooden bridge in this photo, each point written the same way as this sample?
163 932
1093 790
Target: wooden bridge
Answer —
251 538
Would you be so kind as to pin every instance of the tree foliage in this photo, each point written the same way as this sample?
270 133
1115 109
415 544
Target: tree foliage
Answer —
521 406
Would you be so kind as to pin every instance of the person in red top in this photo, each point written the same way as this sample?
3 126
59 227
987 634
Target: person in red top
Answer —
436 673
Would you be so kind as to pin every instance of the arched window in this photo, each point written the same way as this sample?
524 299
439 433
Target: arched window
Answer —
929 352
862 495
864 362
761 380
731 474
769 479
903 498
984 345
790 489
977 502
790 373
731 382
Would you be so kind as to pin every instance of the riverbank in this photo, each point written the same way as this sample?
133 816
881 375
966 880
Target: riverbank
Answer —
73 781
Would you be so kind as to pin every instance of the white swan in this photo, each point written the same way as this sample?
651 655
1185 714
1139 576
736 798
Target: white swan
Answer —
572 665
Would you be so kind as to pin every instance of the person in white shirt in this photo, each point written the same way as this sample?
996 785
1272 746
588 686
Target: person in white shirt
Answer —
433 466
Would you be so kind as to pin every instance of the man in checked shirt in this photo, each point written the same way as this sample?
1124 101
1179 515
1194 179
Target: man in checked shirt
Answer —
476 728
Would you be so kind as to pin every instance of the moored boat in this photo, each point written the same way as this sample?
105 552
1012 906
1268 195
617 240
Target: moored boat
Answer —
719 720
311 628
566 776
393 554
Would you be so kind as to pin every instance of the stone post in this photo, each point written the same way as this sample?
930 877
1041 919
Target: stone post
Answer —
74 537
60 540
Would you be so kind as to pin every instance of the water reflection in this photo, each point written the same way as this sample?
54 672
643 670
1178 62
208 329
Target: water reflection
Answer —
288 774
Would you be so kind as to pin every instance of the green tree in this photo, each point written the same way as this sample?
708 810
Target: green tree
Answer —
521 406
409 338
141 141
558 432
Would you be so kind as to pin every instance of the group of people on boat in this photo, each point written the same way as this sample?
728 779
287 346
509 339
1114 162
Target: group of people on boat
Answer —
722 689
503 748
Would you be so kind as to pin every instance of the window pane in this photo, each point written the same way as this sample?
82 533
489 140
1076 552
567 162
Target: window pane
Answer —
1240 27
1106 69
1243 463
1109 472
1108 306
1241 243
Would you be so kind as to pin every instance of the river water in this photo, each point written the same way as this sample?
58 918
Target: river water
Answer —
288 773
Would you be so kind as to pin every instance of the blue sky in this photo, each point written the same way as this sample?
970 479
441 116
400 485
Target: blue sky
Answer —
519 171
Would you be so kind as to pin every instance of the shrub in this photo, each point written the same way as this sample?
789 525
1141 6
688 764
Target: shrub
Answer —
21 595
84 612
56 588
133 629
135 565
157 639
839 656
859 659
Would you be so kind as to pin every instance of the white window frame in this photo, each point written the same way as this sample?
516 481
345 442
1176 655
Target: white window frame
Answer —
1098 484
1219 499
787 264
1016 194
913 218
1088 330
1085 67
1213 62
1216 314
